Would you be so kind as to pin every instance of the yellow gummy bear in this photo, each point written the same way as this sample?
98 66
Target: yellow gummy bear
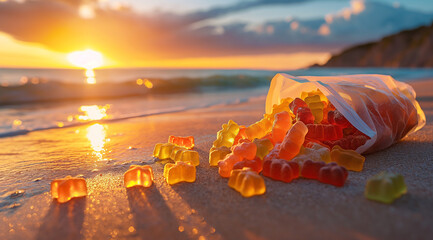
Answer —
138 176
248 183
188 156
67 188
218 154
226 136
316 105
349 159
314 152
179 172
264 146
175 150
277 108
258 129
163 150
312 93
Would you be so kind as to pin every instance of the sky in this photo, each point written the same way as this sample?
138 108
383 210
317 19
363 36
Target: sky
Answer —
250 34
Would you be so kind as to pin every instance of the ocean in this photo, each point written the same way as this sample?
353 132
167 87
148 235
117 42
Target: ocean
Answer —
39 99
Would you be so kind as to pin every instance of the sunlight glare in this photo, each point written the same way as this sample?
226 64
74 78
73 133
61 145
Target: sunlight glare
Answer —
87 59
93 112
96 135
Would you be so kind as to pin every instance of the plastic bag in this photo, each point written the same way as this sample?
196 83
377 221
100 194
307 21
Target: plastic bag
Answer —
377 105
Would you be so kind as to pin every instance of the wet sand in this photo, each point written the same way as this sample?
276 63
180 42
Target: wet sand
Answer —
208 208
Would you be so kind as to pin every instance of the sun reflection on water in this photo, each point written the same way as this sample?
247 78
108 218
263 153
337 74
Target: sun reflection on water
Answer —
93 112
96 134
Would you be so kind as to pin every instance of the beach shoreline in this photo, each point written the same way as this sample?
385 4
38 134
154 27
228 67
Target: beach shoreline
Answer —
208 208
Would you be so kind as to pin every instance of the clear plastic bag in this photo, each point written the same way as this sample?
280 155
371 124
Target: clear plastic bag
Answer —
377 105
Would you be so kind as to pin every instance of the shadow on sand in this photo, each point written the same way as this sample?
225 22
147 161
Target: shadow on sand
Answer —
152 217
63 220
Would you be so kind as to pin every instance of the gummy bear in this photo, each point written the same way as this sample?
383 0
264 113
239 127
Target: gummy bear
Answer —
263 147
186 142
225 166
293 141
241 135
305 115
281 170
316 106
336 118
218 154
296 104
324 132
163 150
274 153
312 93
351 142
333 174
226 136
256 165
245 150
311 169
67 188
314 152
282 123
248 183
385 187
282 107
349 159
175 150
188 156
258 129
179 172
138 176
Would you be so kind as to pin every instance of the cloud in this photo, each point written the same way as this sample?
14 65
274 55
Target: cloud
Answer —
125 35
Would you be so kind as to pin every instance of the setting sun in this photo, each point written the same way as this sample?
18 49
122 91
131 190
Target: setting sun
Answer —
87 59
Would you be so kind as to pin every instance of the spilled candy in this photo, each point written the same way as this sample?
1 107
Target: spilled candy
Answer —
218 154
186 142
258 129
311 169
349 159
281 170
163 150
179 172
297 103
225 166
293 141
245 150
385 187
138 176
333 174
263 147
282 123
324 132
248 183
67 188
305 115
255 165
226 136
188 156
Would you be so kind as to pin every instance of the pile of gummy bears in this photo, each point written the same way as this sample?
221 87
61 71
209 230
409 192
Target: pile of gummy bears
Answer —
303 137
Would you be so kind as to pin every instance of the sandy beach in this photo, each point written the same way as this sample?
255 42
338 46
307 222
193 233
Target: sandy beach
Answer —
208 208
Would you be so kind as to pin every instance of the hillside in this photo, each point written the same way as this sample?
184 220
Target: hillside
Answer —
411 48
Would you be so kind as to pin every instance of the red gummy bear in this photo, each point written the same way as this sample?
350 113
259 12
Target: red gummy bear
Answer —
305 115
351 142
323 132
256 165
246 149
333 174
311 169
336 118
297 103
281 170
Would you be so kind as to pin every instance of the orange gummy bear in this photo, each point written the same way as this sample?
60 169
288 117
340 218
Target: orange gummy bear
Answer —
138 176
67 188
293 141
282 123
186 142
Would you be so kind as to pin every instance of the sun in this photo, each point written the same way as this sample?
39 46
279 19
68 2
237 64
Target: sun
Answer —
87 59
